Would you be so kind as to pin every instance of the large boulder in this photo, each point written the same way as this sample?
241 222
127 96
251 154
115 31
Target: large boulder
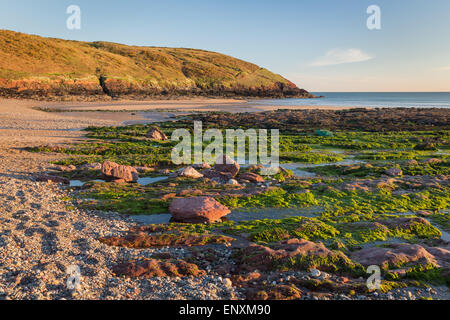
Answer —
114 171
107 167
156 134
197 210
225 164
127 173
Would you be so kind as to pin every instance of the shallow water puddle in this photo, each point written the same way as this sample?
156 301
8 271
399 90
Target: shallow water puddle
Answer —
148 180
79 183
152 219
76 183
238 216
273 213
445 235
142 181
296 167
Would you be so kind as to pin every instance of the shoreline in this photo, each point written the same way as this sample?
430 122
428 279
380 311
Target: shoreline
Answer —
128 112
84 114
197 104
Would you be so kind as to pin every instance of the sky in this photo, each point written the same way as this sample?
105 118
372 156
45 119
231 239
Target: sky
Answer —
320 45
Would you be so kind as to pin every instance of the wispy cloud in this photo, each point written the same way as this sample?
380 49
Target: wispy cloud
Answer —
444 68
341 56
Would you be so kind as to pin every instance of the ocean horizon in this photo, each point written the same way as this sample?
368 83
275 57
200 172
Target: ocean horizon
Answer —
368 99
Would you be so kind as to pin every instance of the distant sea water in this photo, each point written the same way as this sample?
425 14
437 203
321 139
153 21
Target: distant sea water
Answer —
368 99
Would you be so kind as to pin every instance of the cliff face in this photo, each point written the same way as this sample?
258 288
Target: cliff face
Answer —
46 68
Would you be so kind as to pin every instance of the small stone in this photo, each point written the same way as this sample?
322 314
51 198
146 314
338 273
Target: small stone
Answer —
201 166
156 134
233 182
394 172
315 273
433 161
227 283
190 172
252 177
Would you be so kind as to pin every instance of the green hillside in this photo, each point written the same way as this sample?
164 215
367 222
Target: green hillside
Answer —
37 67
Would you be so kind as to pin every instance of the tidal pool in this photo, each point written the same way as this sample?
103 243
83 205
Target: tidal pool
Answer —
240 215
296 168
149 180
142 181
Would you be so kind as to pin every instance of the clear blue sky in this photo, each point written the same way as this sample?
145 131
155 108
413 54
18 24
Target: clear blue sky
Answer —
321 45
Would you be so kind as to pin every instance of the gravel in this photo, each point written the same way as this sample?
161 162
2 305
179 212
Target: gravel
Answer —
41 237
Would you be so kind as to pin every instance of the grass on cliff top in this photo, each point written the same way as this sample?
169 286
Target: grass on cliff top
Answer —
33 57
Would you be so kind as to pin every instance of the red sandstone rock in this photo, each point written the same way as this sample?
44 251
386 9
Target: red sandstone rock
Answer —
156 268
197 210
118 173
107 167
156 134
126 173
252 177
262 258
227 165
397 254
144 238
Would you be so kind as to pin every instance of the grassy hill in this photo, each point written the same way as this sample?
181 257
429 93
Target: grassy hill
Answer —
48 68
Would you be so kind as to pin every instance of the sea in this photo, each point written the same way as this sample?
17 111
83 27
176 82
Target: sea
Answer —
367 99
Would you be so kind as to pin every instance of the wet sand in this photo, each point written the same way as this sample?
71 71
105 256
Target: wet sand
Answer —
133 112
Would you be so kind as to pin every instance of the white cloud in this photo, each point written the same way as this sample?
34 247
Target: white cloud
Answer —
341 56
444 68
